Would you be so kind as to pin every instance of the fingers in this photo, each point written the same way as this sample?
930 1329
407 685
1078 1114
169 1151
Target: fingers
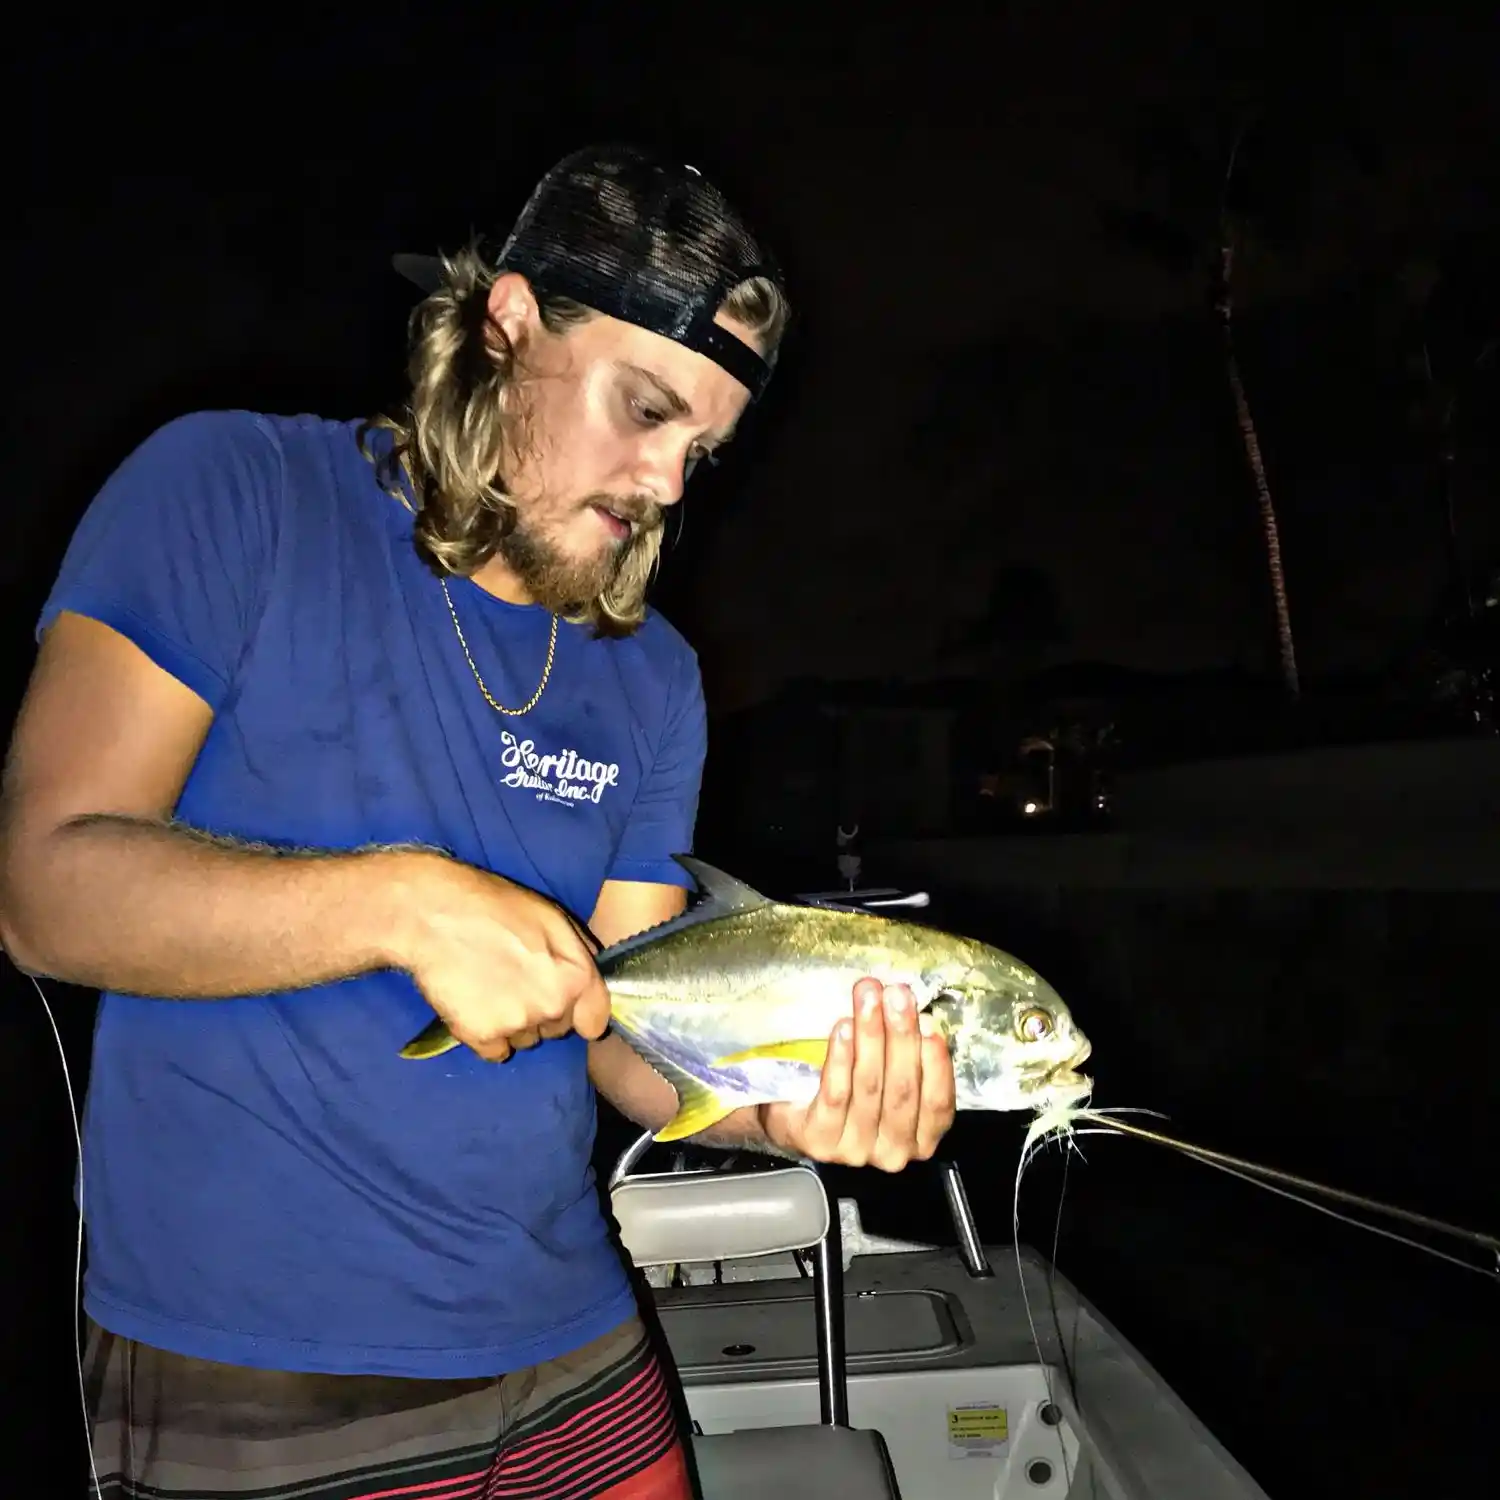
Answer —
493 1049
561 1000
895 1141
846 1121
519 970
831 1105
583 995
585 934
587 1014
820 1127
591 1009
862 1123
887 1092
938 1093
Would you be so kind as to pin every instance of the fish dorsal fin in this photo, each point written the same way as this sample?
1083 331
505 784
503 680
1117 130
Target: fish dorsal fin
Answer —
719 895
723 892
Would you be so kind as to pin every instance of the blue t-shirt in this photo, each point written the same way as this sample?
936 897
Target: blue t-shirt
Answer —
265 1181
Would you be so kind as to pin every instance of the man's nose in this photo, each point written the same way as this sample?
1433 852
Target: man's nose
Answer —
662 474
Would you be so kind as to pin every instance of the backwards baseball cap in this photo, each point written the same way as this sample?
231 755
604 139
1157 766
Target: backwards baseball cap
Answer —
647 241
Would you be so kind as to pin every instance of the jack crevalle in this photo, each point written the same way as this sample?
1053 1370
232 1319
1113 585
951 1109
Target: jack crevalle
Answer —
734 1002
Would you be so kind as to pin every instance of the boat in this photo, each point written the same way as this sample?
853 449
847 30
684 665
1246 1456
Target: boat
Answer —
819 1360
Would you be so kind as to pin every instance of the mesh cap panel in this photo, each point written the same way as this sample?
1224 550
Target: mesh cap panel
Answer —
647 241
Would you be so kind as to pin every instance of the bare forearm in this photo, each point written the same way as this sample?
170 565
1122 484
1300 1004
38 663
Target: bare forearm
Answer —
151 908
740 1131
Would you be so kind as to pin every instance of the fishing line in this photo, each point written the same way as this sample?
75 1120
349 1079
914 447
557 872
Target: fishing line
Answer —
1056 1122
1070 1371
1333 1213
1043 1129
83 1399
1269 1178
1062 1195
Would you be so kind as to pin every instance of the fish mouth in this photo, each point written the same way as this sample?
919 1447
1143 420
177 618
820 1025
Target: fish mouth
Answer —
1065 1082
1065 1077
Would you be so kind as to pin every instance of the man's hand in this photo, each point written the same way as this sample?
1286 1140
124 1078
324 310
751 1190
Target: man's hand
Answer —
503 966
887 1093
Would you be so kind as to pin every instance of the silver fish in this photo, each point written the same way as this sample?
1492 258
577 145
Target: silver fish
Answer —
734 1002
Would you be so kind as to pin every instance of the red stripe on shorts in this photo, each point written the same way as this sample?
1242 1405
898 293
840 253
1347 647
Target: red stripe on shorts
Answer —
624 1446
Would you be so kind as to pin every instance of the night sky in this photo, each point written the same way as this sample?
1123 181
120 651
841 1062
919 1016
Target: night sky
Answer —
1005 357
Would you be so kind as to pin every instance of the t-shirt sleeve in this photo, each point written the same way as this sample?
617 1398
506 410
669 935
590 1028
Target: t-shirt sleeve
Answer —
666 807
175 551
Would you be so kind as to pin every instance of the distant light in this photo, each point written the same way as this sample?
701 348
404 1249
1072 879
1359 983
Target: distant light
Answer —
1030 808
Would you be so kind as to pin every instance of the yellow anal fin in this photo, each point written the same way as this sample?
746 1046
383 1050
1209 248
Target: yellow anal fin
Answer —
813 1050
698 1108
432 1041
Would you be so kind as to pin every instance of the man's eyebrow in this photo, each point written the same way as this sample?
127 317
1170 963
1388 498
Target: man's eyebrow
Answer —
669 398
676 406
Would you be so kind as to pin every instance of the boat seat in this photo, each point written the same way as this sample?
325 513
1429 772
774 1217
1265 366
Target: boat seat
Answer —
672 1218
795 1463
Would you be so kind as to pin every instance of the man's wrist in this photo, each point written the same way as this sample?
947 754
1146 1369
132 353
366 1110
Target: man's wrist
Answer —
405 882
745 1130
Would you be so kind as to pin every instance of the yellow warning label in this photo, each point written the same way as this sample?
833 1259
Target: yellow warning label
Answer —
977 1428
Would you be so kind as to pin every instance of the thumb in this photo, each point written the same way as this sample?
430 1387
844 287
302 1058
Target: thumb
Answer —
591 1010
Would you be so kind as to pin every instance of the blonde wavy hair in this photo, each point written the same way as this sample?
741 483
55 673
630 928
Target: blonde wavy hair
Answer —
453 435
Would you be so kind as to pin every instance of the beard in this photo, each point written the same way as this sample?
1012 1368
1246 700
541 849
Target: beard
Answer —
565 584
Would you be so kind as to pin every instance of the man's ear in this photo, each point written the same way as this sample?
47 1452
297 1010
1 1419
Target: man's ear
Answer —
512 307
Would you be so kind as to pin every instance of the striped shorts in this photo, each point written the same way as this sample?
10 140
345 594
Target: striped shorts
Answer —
597 1424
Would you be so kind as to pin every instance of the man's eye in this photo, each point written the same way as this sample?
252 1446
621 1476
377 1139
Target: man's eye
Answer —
648 416
697 456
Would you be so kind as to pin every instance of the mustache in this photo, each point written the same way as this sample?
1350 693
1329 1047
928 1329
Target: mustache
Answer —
642 512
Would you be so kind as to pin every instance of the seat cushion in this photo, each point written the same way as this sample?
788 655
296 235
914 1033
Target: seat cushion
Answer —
703 1216
795 1463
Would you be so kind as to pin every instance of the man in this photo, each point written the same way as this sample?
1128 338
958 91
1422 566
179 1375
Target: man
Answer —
334 725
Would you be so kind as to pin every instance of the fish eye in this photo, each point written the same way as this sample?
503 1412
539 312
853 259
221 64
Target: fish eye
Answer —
1034 1026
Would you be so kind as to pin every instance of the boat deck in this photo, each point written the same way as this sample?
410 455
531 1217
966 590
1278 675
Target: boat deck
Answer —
924 1339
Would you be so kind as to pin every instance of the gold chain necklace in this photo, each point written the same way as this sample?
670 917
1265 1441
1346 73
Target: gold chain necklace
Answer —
536 697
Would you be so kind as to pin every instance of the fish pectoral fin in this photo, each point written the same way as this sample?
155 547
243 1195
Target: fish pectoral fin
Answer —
698 1108
812 1050
432 1041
